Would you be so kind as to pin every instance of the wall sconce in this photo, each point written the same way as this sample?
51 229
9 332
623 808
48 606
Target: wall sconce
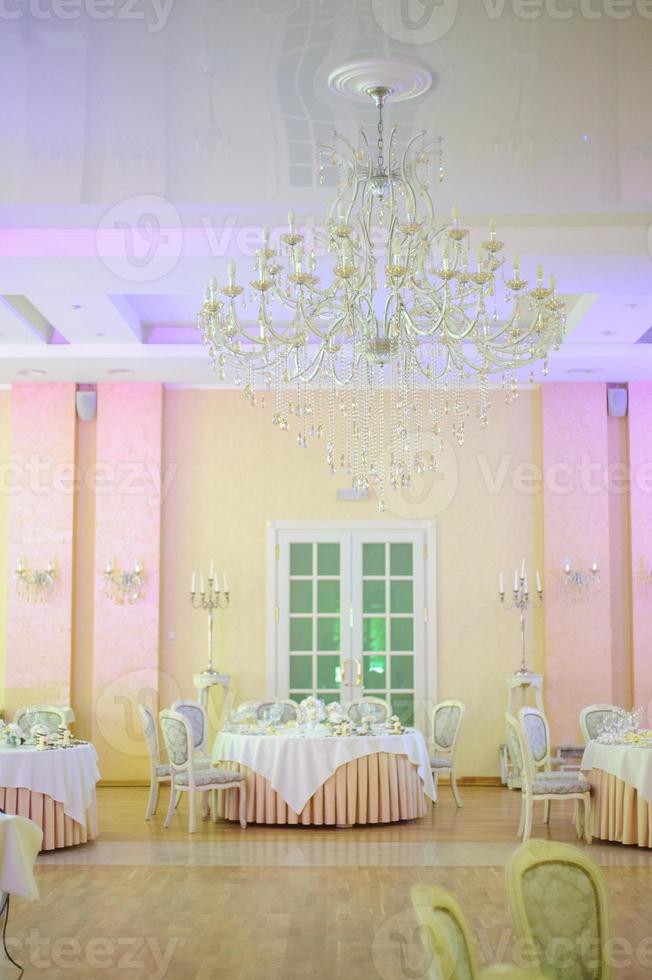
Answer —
643 575
124 587
34 585
580 584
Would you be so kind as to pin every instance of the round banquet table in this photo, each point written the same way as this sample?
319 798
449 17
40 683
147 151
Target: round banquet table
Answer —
310 778
54 788
621 777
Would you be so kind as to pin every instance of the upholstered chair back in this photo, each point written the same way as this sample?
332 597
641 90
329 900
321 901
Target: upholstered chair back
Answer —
445 931
593 718
519 751
178 739
196 715
537 732
283 711
446 723
375 709
148 723
557 900
48 715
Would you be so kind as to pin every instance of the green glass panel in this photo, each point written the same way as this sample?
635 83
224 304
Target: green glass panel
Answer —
300 559
403 672
328 696
373 633
328 559
403 706
328 596
373 559
301 634
299 696
328 633
400 597
401 634
400 559
329 672
301 671
373 596
300 596
374 675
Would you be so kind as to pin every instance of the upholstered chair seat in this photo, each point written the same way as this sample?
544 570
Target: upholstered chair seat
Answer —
212 775
437 762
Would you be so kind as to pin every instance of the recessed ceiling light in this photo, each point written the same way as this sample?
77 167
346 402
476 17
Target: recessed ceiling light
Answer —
609 333
631 306
580 371
120 371
76 306
31 372
100 333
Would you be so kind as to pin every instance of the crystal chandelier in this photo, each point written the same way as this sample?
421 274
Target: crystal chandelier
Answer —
380 350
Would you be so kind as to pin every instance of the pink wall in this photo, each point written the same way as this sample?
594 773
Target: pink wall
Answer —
127 527
575 524
38 664
640 453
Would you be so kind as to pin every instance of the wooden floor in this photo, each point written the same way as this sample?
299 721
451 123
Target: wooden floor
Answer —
324 904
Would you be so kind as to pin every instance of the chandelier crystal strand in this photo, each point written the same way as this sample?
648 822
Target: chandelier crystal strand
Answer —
399 302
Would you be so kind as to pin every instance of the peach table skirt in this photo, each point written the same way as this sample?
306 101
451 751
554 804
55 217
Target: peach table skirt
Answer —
59 830
619 812
378 788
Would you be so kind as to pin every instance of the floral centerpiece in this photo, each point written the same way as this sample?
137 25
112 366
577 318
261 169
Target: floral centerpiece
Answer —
312 710
13 735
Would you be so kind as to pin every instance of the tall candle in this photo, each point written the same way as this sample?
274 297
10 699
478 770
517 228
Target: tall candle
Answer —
501 584
201 584
539 589
523 568
193 582
226 584
211 570
515 581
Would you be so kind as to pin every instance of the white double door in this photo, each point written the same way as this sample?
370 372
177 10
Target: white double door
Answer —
352 615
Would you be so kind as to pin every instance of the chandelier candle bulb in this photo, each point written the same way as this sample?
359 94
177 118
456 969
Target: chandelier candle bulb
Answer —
226 586
523 568
515 581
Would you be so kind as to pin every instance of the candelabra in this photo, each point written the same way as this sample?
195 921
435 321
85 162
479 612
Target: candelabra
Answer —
34 585
581 583
124 587
209 600
522 601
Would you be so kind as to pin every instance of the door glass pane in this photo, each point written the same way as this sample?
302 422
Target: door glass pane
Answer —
300 596
373 633
403 672
402 634
301 671
328 596
299 696
400 559
328 559
328 696
373 596
328 633
300 634
374 676
400 596
403 706
300 559
373 559
328 671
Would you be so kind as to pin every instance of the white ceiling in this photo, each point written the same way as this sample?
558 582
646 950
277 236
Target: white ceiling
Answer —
141 151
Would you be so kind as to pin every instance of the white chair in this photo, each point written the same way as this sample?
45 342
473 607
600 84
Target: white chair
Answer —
49 715
179 744
593 718
545 786
287 710
198 717
446 724
449 942
158 772
374 708
559 908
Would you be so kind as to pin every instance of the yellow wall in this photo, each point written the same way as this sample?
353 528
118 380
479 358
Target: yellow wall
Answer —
227 472
5 451
234 472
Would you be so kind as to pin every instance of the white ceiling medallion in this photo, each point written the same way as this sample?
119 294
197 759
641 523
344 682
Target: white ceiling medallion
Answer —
356 79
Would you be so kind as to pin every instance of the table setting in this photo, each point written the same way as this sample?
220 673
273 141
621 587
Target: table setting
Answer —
618 763
324 769
50 777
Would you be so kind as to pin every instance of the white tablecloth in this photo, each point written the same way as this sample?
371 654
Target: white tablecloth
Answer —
67 775
20 842
296 764
631 763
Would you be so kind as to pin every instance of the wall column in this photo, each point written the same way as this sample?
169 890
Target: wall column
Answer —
640 435
575 525
41 485
127 527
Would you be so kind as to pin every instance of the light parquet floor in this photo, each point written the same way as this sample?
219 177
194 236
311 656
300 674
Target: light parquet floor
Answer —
286 903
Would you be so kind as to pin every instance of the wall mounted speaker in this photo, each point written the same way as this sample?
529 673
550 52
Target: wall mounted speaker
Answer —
86 402
617 402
